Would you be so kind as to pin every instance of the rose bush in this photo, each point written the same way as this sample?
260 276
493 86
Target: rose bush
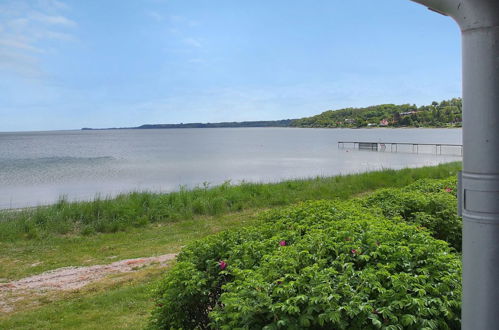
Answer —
427 203
323 265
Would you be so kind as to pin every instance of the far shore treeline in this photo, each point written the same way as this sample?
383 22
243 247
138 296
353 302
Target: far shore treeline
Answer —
444 114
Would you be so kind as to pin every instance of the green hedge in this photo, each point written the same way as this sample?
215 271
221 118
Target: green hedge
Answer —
323 265
427 203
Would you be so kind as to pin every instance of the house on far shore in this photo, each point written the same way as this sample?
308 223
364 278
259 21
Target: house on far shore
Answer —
383 122
408 113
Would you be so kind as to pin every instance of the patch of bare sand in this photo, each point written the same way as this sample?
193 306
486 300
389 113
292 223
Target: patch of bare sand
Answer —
70 278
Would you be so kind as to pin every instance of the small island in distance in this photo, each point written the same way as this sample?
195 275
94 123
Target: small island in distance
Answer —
437 115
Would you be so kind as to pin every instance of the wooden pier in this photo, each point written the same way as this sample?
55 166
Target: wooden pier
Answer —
394 146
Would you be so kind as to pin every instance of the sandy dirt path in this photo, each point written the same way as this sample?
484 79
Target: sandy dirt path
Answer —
71 278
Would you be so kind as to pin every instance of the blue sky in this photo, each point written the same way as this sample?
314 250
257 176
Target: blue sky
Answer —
67 64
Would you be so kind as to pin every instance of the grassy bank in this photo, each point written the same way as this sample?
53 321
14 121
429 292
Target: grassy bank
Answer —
123 303
22 258
30 247
23 254
140 209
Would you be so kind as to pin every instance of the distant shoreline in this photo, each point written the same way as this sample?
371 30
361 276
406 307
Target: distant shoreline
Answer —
261 123
446 114
210 126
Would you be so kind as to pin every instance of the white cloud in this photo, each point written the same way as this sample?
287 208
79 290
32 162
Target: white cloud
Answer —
25 27
52 19
47 34
183 21
49 5
18 44
183 31
19 64
192 42
155 16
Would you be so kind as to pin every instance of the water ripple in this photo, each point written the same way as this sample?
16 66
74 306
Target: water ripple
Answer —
9 165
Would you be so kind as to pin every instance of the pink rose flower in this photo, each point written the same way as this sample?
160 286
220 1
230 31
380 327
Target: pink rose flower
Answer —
222 264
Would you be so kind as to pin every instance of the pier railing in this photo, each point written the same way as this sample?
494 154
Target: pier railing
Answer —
394 146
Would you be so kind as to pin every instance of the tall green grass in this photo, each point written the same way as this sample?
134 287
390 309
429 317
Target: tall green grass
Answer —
139 209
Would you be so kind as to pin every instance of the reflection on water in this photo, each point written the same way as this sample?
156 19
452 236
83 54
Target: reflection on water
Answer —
39 167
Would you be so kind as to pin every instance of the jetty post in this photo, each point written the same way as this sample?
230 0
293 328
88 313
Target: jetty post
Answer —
479 184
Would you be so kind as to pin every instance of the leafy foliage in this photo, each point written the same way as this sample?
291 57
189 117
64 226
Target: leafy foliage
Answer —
323 265
445 113
427 203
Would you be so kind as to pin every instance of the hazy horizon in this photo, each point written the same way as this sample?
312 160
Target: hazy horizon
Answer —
71 64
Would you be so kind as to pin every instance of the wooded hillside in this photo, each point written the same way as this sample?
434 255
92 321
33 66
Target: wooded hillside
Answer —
443 114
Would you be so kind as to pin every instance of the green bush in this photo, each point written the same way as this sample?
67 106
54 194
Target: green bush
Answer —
428 203
322 265
433 186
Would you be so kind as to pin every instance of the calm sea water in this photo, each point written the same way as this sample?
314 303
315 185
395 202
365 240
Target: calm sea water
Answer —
39 167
